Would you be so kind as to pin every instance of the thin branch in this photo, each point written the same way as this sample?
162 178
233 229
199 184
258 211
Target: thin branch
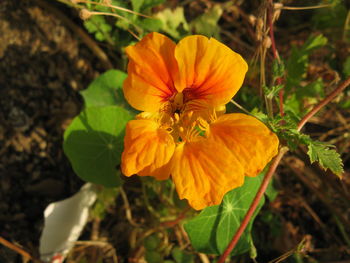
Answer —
17 249
272 169
115 7
324 102
254 204
305 7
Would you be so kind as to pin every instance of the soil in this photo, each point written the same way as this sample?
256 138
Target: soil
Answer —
43 66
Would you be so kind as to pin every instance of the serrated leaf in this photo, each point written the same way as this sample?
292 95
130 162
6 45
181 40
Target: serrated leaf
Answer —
106 90
328 158
212 230
93 143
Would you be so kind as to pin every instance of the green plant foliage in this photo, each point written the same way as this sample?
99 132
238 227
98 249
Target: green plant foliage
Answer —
174 22
328 158
298 61
212 230
318 151
207 23
106 90
94 142
181 256
98 26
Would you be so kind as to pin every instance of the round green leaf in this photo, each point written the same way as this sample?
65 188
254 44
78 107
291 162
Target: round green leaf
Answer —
211 231
94 142
106 90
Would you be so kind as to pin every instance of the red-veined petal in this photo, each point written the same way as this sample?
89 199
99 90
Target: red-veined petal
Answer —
208 70
151 70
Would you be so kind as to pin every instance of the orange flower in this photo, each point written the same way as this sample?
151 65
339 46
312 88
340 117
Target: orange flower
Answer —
183 132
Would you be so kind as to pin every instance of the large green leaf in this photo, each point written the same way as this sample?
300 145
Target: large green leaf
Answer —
94 142
212 230
106 90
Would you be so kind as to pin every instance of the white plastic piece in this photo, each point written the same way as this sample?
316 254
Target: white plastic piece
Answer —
64 221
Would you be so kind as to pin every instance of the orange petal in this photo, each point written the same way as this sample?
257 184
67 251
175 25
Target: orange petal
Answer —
204 171
208 70
147 149
151 70
253 144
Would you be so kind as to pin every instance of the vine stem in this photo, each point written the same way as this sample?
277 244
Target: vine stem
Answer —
254 205
272 169
324 102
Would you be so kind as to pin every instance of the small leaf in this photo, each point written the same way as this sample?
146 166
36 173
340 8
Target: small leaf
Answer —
212 230
93 143
328 158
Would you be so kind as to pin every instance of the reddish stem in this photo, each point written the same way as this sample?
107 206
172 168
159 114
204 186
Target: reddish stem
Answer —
254 205
325 101
272 169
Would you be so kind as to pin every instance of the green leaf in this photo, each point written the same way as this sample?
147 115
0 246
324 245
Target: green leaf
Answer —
174 22
207 23
106 90
93 143
212 230
181 256
328 158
